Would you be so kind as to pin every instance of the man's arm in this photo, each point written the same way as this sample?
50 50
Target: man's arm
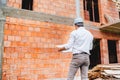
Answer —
69 44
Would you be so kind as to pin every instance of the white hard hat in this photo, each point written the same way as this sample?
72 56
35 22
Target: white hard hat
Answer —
78 20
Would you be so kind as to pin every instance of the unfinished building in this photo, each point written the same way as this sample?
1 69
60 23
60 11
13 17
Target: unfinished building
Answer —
30 29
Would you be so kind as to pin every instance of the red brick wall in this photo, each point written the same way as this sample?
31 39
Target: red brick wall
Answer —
29 50
56 7
112 10
14 3
29 46
67 8
107 7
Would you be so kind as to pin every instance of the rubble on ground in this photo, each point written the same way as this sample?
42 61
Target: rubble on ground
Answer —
105 72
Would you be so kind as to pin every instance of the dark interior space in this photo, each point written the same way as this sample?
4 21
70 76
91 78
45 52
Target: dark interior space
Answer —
112 51
92 7
27 4
95 57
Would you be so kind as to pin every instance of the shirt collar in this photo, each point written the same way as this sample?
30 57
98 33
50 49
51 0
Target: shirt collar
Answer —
81 28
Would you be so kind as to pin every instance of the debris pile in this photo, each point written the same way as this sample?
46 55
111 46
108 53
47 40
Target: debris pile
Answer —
105 72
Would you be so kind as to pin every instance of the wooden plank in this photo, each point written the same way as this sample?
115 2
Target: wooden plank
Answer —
117 76
106 72
112 72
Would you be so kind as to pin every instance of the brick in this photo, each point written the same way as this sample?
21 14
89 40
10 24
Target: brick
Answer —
9 49
6 54
18 27
27 55
11 38
7 32
13 77
37 39
16 5
6 67
21 55
35 55
10 60
24 28
15 32
17 38
14 55
31 39
7 43
27 34
13 20
6 26
22 33
37 29
31 29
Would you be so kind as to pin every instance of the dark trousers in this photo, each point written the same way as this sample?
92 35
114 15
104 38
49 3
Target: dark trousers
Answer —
79 61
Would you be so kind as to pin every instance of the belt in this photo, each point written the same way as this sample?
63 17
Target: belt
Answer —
80 53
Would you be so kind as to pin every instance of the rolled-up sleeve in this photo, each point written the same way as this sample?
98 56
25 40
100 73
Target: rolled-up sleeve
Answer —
70 41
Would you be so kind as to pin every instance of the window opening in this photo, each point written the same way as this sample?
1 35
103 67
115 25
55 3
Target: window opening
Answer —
91 10
27 4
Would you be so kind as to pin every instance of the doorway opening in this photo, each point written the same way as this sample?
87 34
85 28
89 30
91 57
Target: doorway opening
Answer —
112 51
95 57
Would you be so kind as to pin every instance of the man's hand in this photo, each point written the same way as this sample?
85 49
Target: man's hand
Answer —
61 49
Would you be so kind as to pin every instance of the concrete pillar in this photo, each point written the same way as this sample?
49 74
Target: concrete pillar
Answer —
118 50
3 2
2 21
78 8
104 51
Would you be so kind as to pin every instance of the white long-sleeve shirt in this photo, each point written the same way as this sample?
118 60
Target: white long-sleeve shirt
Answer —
81 40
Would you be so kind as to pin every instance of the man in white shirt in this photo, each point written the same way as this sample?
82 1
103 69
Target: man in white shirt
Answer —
81 41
